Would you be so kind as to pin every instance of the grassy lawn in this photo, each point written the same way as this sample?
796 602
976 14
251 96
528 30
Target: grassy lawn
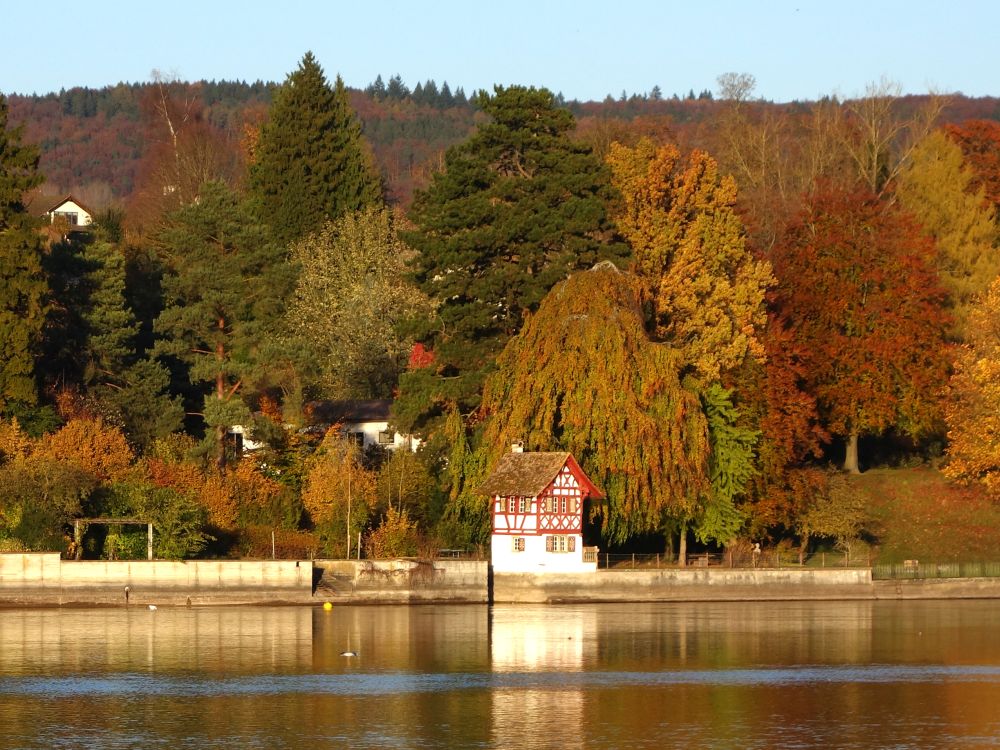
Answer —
917 514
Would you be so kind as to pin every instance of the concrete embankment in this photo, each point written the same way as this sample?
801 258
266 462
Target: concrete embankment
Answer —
403 581
43 579
684 585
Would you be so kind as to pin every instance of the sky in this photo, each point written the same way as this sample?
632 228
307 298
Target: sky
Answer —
584 49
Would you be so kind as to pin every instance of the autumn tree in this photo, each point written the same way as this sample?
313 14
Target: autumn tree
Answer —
23 287
516 208
935 186
880 136
338 494
858 290
350 298
311 160
972 408
223 292
776 398
980 144
183 152
690 250
601 389
93 445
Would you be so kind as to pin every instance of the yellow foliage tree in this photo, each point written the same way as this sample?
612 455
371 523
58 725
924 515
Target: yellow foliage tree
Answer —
15 443
690 250
935 186
972 410
93 445
338 493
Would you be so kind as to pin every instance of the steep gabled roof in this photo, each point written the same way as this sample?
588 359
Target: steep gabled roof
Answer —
528 474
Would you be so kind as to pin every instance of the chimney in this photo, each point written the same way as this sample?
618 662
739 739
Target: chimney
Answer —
517 447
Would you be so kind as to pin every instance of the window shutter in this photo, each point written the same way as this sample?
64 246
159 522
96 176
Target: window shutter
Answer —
548 544
572 543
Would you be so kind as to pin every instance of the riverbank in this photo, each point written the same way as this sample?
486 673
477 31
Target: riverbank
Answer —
43 579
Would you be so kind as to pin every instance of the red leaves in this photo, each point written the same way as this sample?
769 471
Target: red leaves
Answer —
858 290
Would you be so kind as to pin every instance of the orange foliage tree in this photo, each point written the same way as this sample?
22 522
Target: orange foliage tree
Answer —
972 410
93 445
858 290
980 144
209 489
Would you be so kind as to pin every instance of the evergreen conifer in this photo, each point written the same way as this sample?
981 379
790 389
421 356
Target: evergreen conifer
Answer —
311 161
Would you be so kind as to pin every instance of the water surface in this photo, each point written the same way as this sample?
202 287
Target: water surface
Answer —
758 675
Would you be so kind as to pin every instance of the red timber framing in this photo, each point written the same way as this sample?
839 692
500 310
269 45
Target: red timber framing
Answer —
558 508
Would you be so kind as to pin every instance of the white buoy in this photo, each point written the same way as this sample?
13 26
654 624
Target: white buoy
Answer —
349 653
152 607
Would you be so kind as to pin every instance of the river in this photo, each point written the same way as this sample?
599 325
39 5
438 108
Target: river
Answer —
721 675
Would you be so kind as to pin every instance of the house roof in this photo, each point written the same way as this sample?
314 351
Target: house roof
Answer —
528 474
333 412
67 199
39 204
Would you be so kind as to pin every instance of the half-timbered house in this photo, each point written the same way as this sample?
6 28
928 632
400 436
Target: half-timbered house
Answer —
537 507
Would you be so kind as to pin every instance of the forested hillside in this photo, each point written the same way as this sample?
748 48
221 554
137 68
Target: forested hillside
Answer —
725 308
92 141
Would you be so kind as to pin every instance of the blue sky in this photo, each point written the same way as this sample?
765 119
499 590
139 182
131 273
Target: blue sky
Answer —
796 49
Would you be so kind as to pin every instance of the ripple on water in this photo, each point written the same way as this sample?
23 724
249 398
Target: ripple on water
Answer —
395 683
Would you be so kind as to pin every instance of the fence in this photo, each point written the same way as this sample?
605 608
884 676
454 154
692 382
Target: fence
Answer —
765 559
914 569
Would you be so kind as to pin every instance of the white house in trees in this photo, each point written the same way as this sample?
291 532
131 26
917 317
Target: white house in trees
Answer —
537 505
365 422
71 210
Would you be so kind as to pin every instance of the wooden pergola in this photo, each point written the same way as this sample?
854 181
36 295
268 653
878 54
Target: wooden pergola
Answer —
80 528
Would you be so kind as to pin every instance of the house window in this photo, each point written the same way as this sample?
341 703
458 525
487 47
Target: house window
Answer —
522 505
519 544
560 543
358 438
386 437
71 217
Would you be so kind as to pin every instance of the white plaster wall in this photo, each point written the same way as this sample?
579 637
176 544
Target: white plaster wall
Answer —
535 559
371 430
82 217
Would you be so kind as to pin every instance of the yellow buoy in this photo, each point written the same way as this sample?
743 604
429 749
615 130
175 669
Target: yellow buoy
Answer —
327 606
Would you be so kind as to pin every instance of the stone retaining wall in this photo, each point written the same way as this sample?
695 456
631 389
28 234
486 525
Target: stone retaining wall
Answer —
684 585
403 581
44 579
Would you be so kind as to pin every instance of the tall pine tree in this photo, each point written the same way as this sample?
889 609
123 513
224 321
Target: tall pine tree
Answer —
311 161
224 290
22 284
517 207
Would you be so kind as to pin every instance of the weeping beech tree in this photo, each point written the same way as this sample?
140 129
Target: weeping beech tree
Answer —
584 376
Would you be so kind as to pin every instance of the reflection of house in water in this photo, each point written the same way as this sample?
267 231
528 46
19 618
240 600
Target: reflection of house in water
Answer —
540 643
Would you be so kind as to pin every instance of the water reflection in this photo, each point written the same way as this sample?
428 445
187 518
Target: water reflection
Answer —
850 674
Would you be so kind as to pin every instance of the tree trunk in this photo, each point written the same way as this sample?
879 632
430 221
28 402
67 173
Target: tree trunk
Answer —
851 454
682 545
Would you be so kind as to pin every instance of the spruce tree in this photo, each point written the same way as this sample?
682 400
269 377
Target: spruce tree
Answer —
116 375
311 162
517 208
22 283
